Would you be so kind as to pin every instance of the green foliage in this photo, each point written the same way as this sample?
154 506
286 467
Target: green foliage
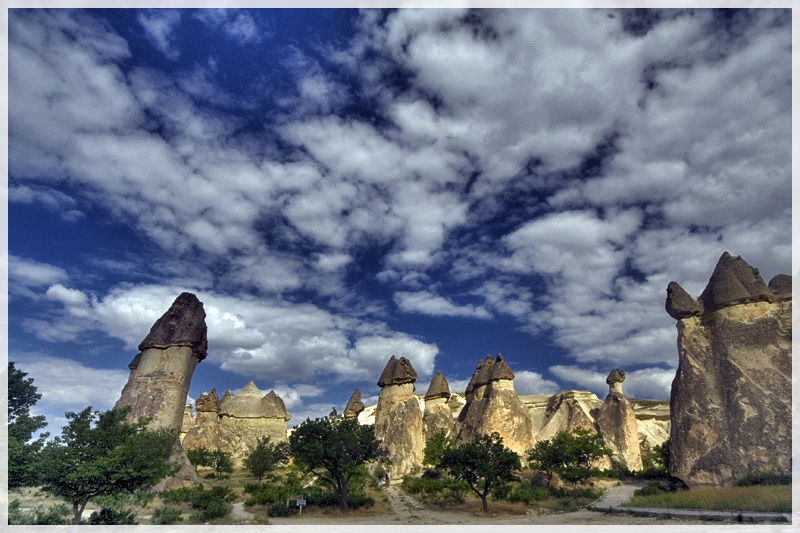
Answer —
23 469
334 448
200 456
210 504
526 493
55 515
101 454
765 477
276 491
266 456
220 461
568 454
166 515
663 454
112 517
481 463
775 498
441 492
652 488
435 447
282 509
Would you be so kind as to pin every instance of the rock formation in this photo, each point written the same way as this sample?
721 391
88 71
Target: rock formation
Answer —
730 406
398 417
493 406
162 370
616 421
235 423
354 405
438 416
187 422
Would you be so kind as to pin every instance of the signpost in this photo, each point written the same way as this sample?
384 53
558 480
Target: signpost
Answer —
300 504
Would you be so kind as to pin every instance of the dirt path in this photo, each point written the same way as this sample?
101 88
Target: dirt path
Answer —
240 516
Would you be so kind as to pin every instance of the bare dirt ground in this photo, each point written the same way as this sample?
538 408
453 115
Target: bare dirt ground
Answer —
408 511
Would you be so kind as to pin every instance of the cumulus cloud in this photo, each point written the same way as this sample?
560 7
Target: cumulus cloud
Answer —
158 25
236 23
428 303
647 383
24 274
532 383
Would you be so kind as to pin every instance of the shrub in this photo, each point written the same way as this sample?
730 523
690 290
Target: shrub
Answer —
281 509
652 488
115 517
164 516
213 503
432 474
55 515
440 492
527 494
765 477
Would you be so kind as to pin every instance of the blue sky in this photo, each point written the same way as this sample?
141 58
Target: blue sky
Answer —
339 186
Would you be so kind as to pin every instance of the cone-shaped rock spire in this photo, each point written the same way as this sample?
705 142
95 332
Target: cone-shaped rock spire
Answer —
397 372
184 324
354 405
438 387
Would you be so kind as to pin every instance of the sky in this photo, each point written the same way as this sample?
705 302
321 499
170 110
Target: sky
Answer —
338 186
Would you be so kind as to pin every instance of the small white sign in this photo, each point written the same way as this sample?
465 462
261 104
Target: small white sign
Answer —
301 503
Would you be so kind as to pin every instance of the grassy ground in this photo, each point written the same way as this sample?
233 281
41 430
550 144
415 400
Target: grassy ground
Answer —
775 498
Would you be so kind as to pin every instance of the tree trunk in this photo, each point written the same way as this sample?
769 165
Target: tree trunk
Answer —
341 489
484 502
77 512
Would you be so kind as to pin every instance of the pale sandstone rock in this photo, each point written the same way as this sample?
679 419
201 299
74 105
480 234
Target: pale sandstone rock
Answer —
354 405
398 417
187 422
616 421
161 373
437 413
730 406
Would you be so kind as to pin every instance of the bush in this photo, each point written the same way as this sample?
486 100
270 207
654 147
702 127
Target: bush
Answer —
55 515
213 503
281 509
113 517
440 492
652 488
765 477
527 494
164 516
563 492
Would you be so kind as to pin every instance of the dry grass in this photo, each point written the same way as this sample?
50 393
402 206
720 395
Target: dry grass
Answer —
774 498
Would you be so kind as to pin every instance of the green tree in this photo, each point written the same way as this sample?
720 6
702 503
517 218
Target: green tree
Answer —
266 456
570 455
103 454
22 451
200 456
333 448
483 463
222 462
435 447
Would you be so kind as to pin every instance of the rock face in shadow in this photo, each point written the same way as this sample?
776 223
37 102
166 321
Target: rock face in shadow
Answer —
494 406
398 417
161 373
235 424
616 421
730 406
354 405
438 416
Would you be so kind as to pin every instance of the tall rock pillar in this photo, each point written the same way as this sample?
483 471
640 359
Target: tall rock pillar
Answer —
731 400
616 421
437 416
398 417
160 374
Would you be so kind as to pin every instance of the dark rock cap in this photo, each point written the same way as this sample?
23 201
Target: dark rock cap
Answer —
680 304
272 406
207 402
184 324
397 372
615 376
781 285
438 387
500 370
482 374
354 405
733 281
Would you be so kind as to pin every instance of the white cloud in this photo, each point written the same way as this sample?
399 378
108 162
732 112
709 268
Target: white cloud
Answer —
236 23
30 273
428 303
527 382
159 25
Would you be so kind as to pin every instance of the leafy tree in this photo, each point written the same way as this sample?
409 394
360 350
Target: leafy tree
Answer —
22 454
435 447
266 456
482 463
333 448
222 462
569 455
200 456
103 454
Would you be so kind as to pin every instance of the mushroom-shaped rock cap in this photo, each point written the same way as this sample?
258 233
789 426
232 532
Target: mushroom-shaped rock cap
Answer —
482 374
680 304
184 324
781 285
438 387
354 405
246 404
397 372
272 406
733 281
207 402
500 369
615 376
